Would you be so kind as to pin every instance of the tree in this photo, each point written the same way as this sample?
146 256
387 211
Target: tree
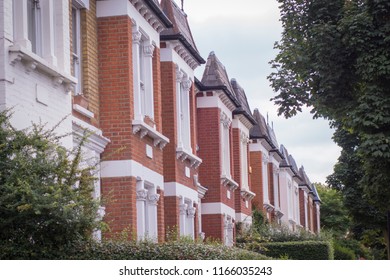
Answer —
334 215
334 57
46 202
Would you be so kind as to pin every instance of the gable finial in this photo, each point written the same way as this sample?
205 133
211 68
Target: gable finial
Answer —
182 5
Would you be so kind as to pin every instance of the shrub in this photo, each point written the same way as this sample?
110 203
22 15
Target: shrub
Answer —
343 253
297 250
147 250
41 210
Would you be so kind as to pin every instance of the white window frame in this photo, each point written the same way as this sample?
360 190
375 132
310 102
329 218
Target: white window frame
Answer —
77 54
146 205
290 201
183 116
225 145
265 160
244 161
187 218
143 75
228 231
34 23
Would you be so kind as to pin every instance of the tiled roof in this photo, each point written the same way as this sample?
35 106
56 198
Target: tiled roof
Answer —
180 30
293 165
215 74
285 162
304 179
315 193
216 77
259 130
241 97
272 135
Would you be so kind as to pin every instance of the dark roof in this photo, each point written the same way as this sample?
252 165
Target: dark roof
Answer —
315 193
285 162
272 135
259 130
215 77
180 30
155 7
304 178
293 165
241 97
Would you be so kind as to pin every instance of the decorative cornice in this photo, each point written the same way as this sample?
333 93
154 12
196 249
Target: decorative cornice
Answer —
144 129
191 211
148 50
32 61
183 154
183 209
154 198
268 207
137 35
186 84
152 13
229 183
225 120
247 194
95 140
142 195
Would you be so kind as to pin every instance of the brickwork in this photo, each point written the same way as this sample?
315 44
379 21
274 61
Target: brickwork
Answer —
236 143
89 43
213 226
171 214
157 89
302 208
257 179
120 201
209 151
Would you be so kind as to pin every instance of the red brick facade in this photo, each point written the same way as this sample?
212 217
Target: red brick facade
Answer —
134 155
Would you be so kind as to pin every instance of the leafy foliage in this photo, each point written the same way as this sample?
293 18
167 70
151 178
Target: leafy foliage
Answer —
298 250
147 250
334 57
46 199
334 215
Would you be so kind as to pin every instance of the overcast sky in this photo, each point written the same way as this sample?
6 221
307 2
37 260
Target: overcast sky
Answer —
242 35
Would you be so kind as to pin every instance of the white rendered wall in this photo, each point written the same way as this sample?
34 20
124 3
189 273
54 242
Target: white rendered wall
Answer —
31 94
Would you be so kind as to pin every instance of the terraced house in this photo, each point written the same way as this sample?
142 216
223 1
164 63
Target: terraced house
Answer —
174 153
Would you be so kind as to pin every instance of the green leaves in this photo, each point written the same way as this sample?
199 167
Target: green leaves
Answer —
40 206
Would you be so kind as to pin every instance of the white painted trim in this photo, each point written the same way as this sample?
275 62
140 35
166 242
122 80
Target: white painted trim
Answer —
81 4
214 102
244 218
179 190
131 168
83 111
217 208
96 141
124 7
169 55
236 123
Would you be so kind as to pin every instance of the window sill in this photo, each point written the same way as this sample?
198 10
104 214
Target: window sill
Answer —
184 154
32 61
247 194
268 207
144 129
278 213
229 182
291 221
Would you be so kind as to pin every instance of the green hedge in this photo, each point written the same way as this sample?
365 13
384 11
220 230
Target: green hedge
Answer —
114 250
343 253
297 250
